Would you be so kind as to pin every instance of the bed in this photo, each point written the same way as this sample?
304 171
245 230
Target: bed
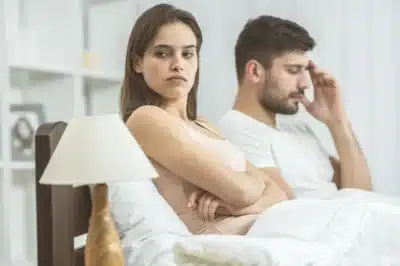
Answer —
63 213
57 206
152 234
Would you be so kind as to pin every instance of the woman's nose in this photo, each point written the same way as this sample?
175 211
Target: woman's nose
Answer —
177 63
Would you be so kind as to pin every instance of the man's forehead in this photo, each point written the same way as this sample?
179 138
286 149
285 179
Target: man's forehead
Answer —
294 58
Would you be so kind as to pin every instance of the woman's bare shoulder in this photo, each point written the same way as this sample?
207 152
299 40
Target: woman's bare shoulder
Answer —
150 122
146 112
207 124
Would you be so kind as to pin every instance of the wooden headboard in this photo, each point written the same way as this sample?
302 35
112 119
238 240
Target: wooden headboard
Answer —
62 211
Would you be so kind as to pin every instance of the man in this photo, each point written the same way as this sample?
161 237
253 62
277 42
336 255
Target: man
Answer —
273 72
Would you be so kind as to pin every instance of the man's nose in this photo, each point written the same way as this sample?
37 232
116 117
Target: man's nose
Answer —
304 80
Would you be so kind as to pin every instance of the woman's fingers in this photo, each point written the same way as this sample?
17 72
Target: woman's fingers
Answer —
205 203
194 198
200 205
207 206
213 207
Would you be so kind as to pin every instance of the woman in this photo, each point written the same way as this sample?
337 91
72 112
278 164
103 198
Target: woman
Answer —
158 104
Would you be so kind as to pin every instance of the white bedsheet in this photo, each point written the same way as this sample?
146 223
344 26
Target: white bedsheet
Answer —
154 251
354 228
218 250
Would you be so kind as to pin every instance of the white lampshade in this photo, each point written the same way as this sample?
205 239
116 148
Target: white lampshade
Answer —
97 149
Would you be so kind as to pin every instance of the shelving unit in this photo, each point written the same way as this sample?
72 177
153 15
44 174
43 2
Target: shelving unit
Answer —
63 59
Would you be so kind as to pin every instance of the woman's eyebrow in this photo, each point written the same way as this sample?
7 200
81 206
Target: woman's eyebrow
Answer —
170 46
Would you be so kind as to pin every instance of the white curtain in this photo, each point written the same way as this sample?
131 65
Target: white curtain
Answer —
357 41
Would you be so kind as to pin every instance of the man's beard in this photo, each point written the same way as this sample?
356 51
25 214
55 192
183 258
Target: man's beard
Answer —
271 101
281 106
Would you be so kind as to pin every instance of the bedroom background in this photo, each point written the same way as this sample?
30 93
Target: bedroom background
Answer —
59 59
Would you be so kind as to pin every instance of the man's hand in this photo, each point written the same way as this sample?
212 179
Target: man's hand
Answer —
205 203
352 168
327 106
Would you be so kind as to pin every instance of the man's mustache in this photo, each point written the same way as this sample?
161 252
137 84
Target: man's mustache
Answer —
299 93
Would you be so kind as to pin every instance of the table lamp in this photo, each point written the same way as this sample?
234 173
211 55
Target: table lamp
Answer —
95 150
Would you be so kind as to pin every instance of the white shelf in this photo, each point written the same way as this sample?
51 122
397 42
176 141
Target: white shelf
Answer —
107 76
23 166
36 67
19 166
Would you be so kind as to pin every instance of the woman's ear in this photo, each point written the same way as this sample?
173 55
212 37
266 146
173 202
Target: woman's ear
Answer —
137 64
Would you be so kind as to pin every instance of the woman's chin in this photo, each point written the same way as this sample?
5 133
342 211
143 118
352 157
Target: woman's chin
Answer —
177 93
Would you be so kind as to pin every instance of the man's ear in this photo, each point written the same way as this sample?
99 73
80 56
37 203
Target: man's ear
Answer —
137 64
254 71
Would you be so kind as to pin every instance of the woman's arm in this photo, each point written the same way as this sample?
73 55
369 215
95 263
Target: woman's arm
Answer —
164 139
268 174
209 205
273 194
269 197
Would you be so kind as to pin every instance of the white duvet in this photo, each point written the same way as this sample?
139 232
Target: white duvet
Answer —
353 228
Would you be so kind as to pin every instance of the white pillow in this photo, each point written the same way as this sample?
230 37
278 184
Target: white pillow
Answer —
140 211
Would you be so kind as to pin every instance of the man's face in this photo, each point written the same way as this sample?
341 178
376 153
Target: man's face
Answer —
285 83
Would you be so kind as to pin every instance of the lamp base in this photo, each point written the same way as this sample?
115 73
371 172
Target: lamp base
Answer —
103 246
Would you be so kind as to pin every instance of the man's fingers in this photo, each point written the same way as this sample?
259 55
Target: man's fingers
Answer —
311 67
320 77
315 72
305 101
329 80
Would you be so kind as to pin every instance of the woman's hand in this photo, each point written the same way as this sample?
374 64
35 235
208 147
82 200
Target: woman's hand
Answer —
209 205
205 203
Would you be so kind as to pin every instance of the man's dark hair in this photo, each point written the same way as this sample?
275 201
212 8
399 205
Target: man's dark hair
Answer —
267 37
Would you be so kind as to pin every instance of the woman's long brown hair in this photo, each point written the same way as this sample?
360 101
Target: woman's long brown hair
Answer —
135 92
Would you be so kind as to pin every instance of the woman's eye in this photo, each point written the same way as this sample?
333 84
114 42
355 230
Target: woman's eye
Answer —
161 54
188 54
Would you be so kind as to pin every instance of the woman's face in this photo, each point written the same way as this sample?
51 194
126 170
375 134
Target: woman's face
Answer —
170 63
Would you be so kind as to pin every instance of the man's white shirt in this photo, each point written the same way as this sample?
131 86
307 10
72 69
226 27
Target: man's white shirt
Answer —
292 147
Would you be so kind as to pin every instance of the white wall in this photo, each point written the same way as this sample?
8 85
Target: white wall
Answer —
356 40
3 83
